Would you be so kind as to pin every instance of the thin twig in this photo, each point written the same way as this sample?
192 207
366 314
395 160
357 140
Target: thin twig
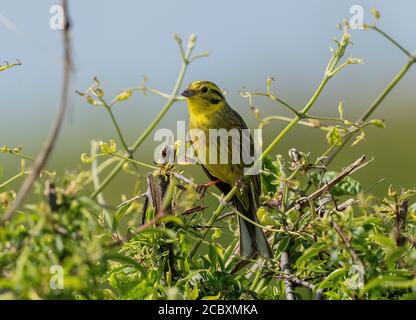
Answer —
155 122
132 199
56 125
6 65
214 217
295 280
96 179
285 266
388 37
383 94
347 243
193 210
346 171
400 224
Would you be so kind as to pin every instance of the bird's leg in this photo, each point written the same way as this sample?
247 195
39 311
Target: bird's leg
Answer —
213 183
202 188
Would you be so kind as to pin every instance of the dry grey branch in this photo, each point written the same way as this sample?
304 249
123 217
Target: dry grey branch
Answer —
56 125
285 266
358 164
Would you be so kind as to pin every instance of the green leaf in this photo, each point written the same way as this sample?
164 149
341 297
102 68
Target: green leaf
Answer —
175 219
164 231
412 207
228 252
213 256
334 136
283 244
119 214
334 275
378 123
309 253
375 13
390 281
359 138
271 170
124 259
193 295
212 297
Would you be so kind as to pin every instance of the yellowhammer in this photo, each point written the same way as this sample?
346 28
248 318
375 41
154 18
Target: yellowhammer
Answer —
209 110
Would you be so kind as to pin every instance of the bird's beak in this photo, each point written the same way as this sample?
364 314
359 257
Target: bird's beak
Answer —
188 93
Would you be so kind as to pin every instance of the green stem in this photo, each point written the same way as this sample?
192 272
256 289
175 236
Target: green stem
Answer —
113 119
120 135
373 106
386 91
277 99
152 125
295 119
407 52
265 120
17 176
134 161
339 120
21 155
214 217
145 89
8 66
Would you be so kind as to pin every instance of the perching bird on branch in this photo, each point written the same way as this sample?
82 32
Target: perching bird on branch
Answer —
209 110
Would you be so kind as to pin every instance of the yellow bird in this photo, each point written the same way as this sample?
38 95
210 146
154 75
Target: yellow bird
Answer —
209 110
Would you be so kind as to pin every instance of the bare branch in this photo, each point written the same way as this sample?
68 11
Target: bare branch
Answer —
358 164
56 125
347 243
285 266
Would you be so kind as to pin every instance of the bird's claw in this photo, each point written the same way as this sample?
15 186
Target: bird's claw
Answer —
202 188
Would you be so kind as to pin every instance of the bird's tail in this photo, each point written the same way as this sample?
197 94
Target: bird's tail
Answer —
252 238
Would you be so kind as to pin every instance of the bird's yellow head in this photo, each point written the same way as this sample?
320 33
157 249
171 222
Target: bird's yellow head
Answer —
203 96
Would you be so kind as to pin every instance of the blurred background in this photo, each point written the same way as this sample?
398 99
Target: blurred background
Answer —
120 42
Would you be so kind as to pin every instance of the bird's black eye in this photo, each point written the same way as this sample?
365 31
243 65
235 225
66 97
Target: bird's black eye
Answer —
204 89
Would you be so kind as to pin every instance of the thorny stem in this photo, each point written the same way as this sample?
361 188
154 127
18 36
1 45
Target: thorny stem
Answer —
155 122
